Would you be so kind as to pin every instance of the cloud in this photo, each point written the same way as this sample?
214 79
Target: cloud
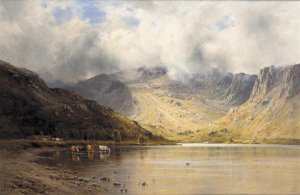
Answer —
73 40
61 15
91 10
53 39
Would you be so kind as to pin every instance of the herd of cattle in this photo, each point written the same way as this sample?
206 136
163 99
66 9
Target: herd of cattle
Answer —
90 148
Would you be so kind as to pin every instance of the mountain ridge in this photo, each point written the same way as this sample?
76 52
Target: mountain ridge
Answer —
213 106
29 107
273 110
107 90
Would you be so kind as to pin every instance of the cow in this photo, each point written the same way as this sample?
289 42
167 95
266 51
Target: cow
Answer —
104 148
74 149
89 148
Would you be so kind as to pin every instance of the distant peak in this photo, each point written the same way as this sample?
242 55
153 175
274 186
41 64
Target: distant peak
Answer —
152 72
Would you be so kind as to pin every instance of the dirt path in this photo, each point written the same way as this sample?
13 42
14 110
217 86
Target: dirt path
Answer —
20 175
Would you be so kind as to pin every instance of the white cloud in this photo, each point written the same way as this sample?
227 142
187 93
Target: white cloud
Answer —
186 37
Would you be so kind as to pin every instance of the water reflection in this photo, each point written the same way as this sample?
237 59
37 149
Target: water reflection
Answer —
217 169
84 155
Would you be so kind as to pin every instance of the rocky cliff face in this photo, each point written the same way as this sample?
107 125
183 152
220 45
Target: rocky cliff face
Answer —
292 81
235 89
108 91
224 82
273 110
219 81
273 80
266 79
214 81
240 89
151 73
29 107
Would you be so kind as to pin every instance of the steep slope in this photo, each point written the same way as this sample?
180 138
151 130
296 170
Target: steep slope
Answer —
29 107
234 89
240 89
273 111
107 90
213 81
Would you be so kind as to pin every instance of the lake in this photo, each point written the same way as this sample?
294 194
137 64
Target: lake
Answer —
211 169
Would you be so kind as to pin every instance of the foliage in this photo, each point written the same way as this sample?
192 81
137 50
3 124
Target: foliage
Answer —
142 139
116 136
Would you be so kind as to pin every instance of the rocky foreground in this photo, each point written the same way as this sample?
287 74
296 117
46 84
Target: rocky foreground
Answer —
21 175
21 170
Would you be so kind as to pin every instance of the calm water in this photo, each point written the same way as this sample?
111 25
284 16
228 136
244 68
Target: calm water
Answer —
213 169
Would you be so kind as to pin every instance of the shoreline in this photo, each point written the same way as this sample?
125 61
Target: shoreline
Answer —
21 174
23 144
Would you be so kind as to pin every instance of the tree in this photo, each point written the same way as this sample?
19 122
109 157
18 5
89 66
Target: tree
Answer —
116 136
142 139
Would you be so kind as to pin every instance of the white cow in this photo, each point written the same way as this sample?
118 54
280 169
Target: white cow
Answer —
104 149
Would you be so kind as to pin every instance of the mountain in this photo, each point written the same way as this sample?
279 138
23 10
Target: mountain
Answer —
211 106
240 89
107 90
217 106
151 73
212 81
235 89
111 90
273 110
169 107
174 107
29 107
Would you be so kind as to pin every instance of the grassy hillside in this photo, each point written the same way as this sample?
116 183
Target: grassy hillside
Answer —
170 109
29 107
272 112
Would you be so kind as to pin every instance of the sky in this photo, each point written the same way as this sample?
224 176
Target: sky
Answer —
74 40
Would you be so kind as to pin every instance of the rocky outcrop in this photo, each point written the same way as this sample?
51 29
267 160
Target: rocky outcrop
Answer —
273 108
240 88
265 80
108 91
224 82
214 81
29 107
292 81
235 89
232 110
151 73
282 80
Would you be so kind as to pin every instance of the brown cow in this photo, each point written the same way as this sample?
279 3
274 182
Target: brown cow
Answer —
89 148
74 149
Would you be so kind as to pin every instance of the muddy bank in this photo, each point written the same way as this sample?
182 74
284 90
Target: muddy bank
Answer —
21 175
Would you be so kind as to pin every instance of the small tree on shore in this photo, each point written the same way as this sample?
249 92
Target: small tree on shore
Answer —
142 139
116 136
